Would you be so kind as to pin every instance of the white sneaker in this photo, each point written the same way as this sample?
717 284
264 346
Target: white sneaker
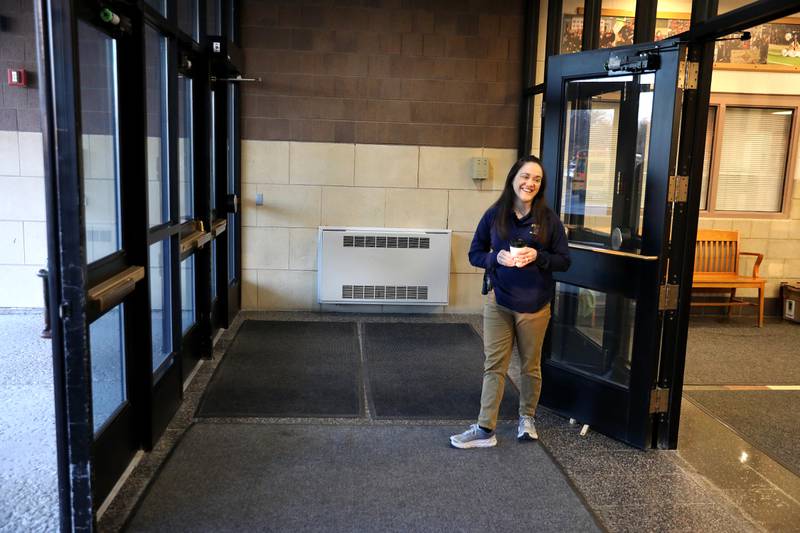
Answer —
526 429
474 437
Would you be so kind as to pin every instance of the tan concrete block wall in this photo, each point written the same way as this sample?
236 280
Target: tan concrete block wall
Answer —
372 169
23 237
369 185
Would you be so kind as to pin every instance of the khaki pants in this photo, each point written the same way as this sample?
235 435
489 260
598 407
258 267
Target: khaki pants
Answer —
500 327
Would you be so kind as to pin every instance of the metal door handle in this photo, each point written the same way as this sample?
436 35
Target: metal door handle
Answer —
613 252
233 203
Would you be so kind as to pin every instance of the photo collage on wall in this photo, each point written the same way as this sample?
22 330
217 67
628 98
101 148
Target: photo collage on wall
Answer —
773 46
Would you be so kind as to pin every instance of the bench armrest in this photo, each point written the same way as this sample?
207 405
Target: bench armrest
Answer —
759 258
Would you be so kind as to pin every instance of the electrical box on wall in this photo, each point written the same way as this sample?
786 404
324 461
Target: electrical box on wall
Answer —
17 77
480 168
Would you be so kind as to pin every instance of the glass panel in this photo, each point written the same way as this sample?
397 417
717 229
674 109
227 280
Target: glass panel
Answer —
188 18
729 5
106 341
187 294
672 18
616 22
536 133
213 270
159 5
755 146
572 27
213 18
160 302
709 151
157 154
212 155
592 332
99 141
603 189
185 168
233 27
231 231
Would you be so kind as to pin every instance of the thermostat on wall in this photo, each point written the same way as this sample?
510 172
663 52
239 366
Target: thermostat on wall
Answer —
480 168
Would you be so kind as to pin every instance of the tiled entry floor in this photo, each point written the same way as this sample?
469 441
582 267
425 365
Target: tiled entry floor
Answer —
629 490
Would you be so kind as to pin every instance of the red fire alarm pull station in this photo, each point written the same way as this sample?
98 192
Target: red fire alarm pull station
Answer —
17 78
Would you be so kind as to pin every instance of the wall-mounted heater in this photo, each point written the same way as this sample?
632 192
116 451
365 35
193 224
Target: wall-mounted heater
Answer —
383 266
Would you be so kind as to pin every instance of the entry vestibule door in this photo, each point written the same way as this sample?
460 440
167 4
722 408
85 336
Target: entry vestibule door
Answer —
608 150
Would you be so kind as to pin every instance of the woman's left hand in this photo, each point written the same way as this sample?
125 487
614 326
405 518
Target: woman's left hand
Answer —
525 256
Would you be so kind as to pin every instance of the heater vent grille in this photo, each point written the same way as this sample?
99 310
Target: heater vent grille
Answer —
384 292
383 241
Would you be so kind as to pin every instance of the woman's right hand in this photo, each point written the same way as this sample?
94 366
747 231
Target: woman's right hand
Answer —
505 258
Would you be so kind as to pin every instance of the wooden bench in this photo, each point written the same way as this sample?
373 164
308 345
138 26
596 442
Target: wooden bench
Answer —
716 266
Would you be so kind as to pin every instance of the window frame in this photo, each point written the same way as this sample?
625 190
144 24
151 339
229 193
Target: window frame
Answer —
765 101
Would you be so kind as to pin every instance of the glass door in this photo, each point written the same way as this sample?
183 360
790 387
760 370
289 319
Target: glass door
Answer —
607 150
97 248
234 189
226 223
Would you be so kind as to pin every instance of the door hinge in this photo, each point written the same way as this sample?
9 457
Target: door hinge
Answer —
678 189
659 400
687 75
668 297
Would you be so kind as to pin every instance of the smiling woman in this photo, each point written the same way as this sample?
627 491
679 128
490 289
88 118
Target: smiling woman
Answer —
520 242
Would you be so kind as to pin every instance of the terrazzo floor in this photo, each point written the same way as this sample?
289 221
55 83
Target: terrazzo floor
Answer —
28 477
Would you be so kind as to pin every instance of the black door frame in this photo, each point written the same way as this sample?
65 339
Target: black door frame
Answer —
705 26
90 464
66 260
622 412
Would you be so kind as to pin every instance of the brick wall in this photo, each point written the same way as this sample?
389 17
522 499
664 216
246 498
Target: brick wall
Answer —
436 72
19 107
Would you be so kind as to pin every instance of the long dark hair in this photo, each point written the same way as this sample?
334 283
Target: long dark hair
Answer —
505 204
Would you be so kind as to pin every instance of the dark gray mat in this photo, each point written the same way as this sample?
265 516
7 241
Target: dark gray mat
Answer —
417 370
766 419
287 369
737 353
242 477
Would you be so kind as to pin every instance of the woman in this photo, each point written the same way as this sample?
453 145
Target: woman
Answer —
519 305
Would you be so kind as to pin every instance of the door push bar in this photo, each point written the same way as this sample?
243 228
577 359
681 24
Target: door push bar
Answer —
112 291
239 78
196 239
219 226
613 252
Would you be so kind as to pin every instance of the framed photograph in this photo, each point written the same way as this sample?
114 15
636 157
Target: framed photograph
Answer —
772 47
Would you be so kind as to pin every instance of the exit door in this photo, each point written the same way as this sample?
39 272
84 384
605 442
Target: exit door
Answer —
609 137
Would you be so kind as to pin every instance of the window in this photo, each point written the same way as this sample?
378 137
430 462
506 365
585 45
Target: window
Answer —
158 5
99 141
749 156
156 119
107 345
185 147
188 18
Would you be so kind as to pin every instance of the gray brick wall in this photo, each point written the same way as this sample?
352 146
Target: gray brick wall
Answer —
19 107
435 72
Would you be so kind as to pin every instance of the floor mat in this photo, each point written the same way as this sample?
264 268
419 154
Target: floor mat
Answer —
254 477
287 369
418 370
737 353
765 419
